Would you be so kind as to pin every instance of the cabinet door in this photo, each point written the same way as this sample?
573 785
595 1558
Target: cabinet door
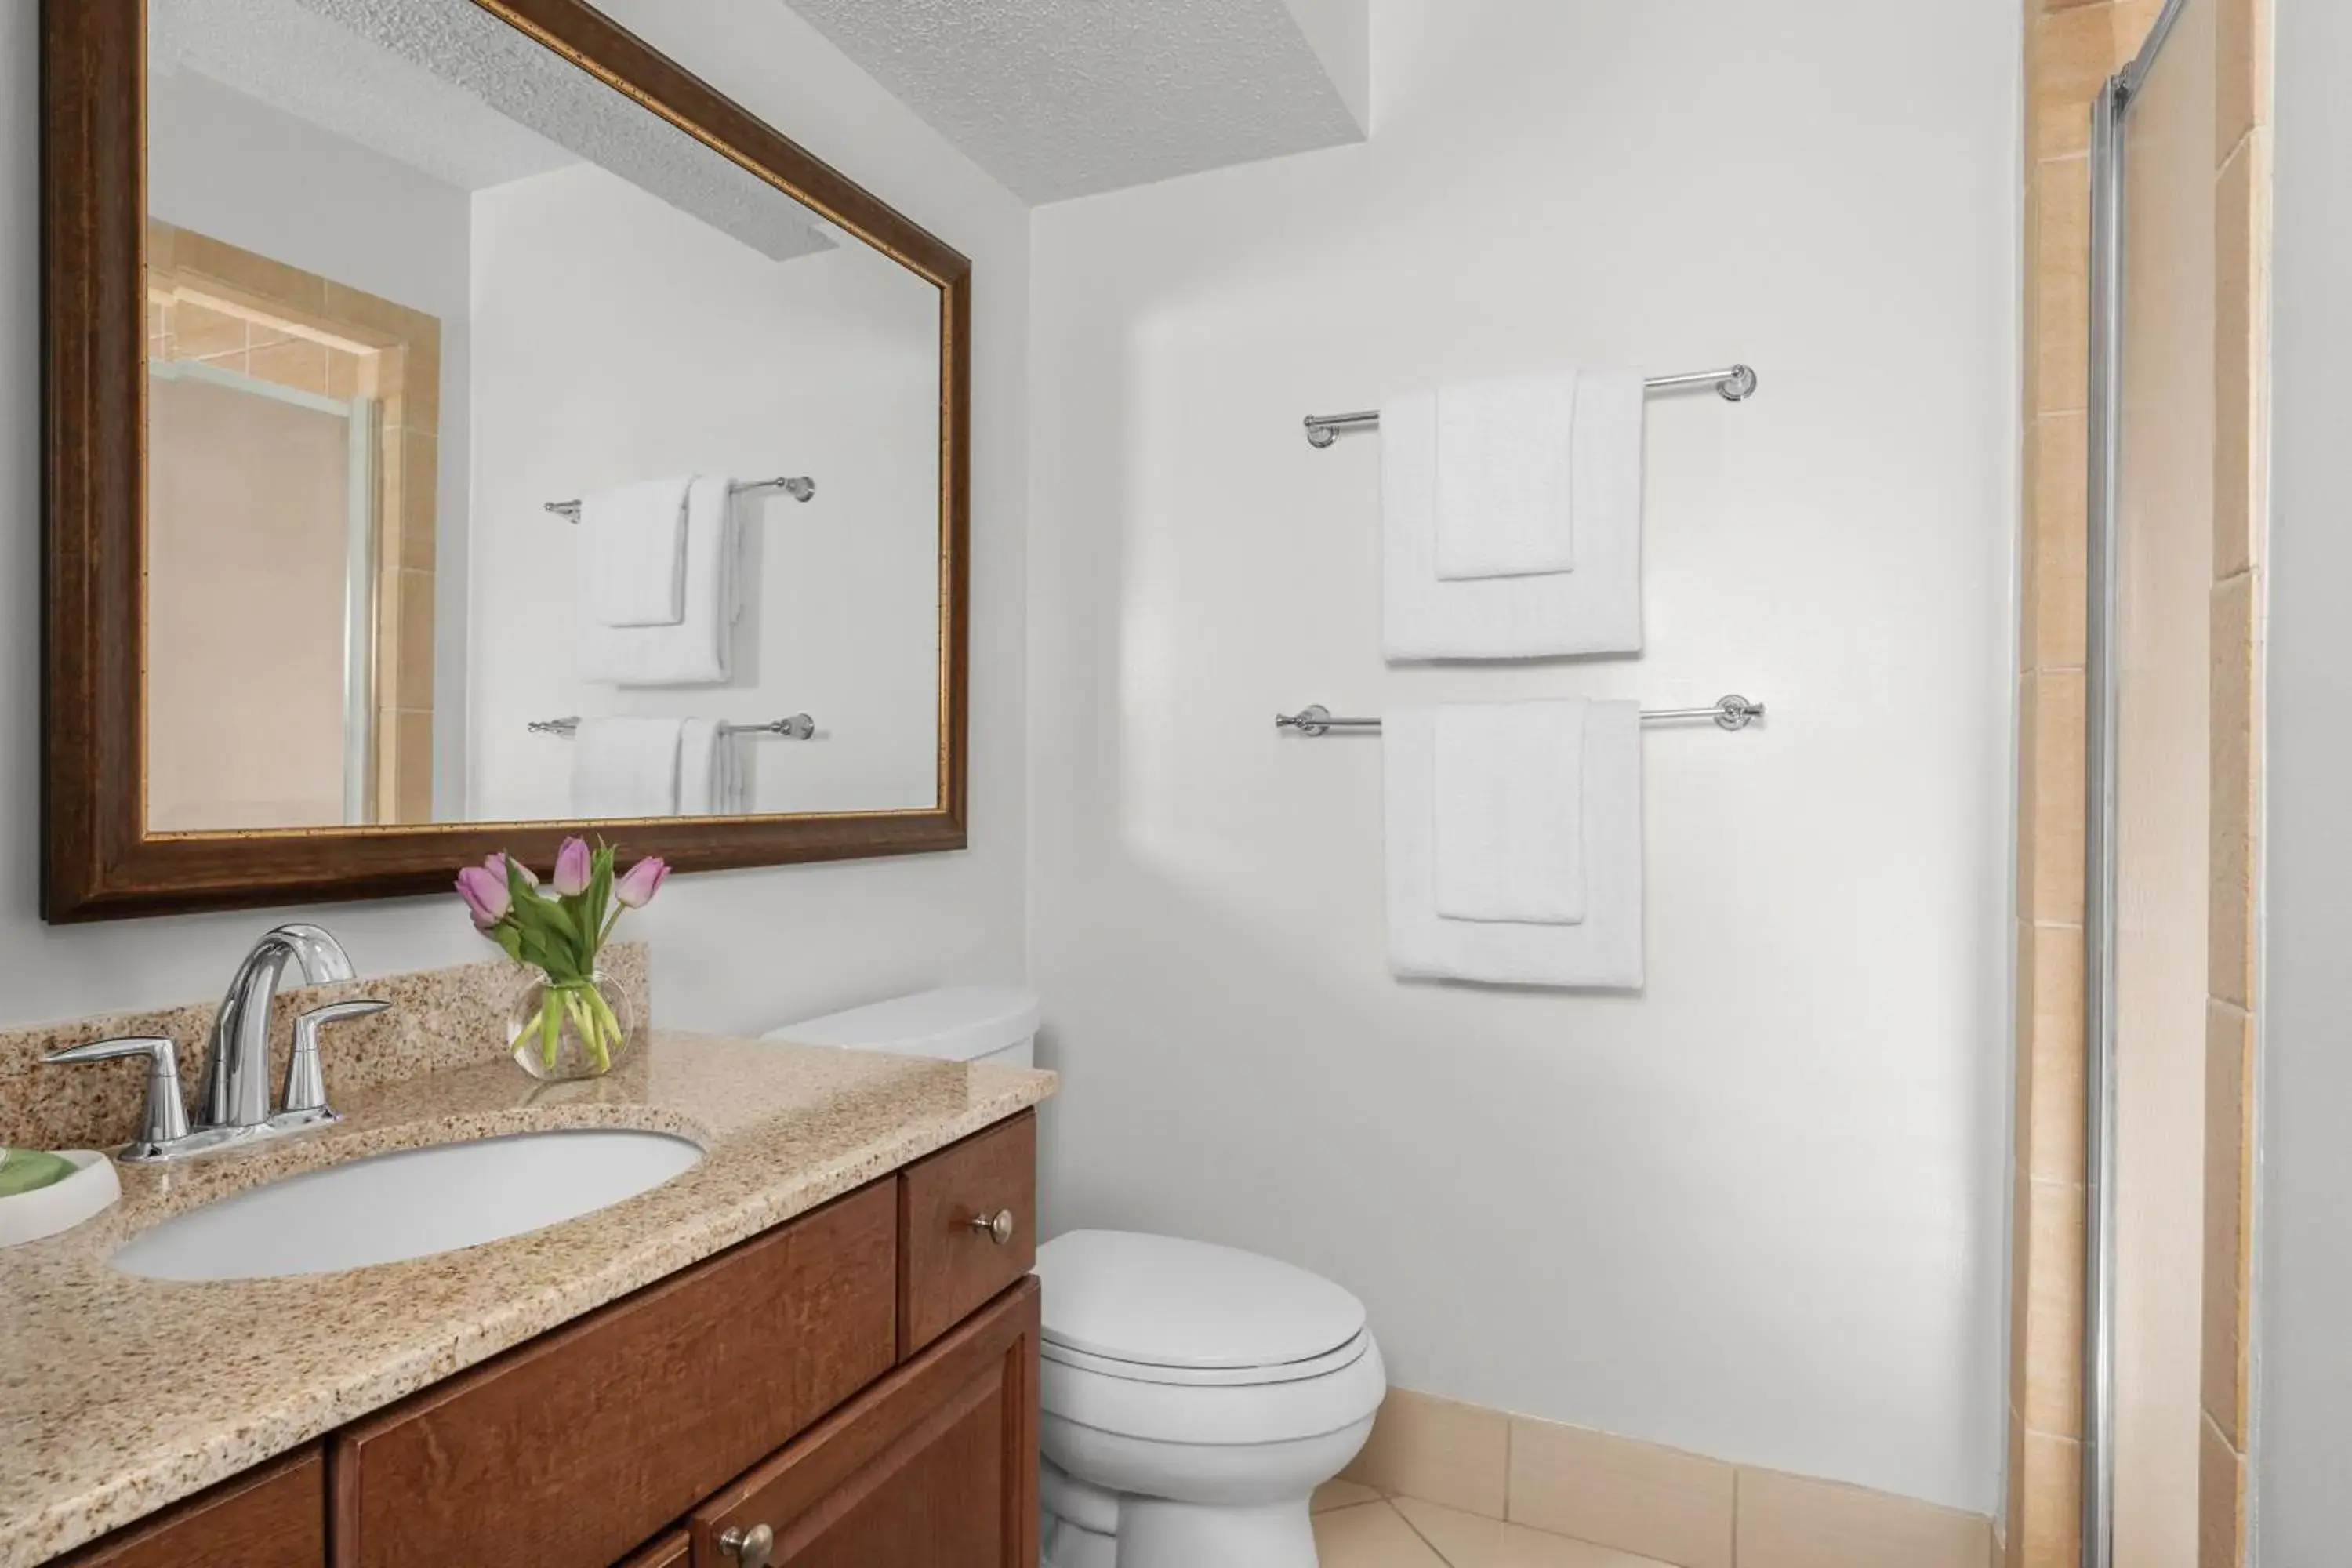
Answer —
936 1467
273 1516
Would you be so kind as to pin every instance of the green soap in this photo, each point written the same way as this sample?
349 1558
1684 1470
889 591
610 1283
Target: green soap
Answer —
29 1170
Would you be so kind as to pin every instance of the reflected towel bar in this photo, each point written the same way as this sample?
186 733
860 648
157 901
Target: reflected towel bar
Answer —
1736 383
799 488
1733 713
799 726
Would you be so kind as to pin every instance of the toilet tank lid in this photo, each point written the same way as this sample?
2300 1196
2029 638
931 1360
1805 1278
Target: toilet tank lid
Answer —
1166 1303
954 1023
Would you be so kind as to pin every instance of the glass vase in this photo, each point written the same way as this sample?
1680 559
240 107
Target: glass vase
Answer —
564 1032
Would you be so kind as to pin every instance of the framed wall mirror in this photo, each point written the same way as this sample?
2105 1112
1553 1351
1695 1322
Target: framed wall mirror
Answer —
466 427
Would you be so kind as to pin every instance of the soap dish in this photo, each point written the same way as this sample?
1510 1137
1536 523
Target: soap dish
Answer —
61 1206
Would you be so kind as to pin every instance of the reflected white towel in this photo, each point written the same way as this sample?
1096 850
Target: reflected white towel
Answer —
633 553
1508 789
1596 608
625 767
695 651
1604 950
707 781
1505 464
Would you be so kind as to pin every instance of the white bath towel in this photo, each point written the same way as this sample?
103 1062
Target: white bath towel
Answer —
1508 791
695 651
1602 951
708 780
1596 608
625 767
633 553
1504 462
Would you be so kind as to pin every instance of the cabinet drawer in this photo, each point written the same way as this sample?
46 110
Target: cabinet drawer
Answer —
936 1467
579 1446
273 1516
948 1265
672 1551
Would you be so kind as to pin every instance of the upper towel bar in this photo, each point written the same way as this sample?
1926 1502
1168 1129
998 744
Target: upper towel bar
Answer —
799 726
1736 384
799 488
1733 713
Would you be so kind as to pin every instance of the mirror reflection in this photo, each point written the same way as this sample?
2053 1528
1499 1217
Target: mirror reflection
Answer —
512 455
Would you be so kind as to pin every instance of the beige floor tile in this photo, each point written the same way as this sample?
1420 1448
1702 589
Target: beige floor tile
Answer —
1370 1535
1793 1522
1652 1501
1342 1494
1425 1446
1467 1540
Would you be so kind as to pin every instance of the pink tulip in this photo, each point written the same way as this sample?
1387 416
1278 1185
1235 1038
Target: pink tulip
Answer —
487 897
571 868
644 880
497 866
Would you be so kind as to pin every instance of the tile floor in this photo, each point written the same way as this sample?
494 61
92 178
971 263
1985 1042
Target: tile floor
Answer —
1356 1526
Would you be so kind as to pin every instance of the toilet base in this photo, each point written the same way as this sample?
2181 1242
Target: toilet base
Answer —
1155 1533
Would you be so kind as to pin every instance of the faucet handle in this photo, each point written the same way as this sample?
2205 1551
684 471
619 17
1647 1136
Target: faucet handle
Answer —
306 1081
167 1120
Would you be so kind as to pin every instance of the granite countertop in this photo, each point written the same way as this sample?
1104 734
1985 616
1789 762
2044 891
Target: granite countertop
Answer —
119 1395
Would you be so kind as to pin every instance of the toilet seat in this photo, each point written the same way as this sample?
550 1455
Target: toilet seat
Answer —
1162 1308
1216 1415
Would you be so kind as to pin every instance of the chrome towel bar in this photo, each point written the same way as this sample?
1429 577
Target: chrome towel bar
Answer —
799 488
1732 712
799 726
1736 383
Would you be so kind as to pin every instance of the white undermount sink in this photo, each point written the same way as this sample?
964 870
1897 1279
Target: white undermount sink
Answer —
412 1202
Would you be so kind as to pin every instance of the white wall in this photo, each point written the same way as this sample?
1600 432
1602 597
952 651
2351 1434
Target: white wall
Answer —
732 950
2302 1296
1759 1210
265 181
618 338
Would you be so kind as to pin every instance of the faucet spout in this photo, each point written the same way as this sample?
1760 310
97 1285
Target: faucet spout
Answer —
237 1069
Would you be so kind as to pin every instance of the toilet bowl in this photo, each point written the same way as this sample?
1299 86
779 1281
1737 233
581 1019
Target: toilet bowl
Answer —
1192 1396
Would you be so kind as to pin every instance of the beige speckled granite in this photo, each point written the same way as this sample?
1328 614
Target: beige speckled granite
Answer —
119 1395
439 1019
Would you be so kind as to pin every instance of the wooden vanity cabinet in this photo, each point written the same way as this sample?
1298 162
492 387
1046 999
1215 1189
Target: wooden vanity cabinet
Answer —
273 1516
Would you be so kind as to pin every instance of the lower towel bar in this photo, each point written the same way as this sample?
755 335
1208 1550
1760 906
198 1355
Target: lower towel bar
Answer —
1737 383
1733 713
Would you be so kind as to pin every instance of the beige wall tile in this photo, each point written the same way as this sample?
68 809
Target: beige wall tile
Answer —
1435 1448
420 509
2073 53
2133 20
1341 1494
2230 914
2220 1501
2052 1134
246 272
2012 1535
2059 529
2241 79
2229 1212
2241 231
342 373
412 646
1613 1491
1467 1540
412 774
289 362
2055 896
1372 1535
1789 1522
2052 1272
2061 286
2029 768
2050 1489
199 332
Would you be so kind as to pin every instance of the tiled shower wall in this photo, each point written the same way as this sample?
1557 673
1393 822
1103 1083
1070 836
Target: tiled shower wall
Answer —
2072 48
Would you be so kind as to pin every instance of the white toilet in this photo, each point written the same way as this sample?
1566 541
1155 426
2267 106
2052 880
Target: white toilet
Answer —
1193 1396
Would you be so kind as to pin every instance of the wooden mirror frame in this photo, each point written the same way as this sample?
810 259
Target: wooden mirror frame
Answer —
98 861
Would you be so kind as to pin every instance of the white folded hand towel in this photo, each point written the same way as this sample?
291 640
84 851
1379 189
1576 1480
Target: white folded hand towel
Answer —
625 767
1595 608
1604 950
633 553
706 770
1506 460
1508 783
697 651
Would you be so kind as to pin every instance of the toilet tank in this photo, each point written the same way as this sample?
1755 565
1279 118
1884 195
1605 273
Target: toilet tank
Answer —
955 1022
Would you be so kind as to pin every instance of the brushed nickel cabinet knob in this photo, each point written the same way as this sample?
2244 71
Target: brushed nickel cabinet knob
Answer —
997 1226
751 1548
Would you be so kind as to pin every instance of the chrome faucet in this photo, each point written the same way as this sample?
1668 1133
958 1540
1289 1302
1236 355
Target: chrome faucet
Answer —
237 1070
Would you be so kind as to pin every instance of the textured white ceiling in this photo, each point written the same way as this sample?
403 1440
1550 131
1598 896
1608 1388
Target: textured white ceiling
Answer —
1065 98
446 87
